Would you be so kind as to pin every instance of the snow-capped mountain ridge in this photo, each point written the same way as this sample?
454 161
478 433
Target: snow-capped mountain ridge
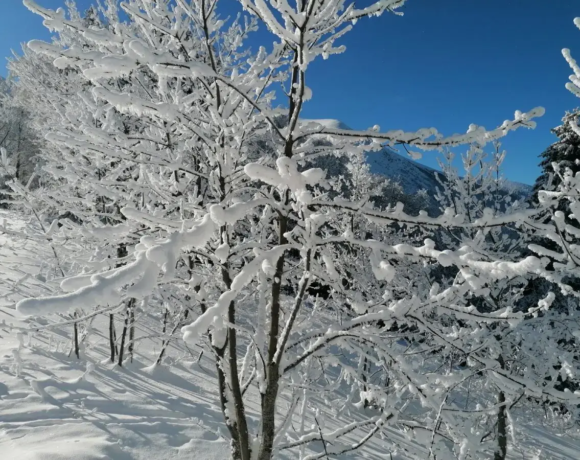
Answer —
414 176
410 174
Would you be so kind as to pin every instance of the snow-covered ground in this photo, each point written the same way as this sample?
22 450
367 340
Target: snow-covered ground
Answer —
55 407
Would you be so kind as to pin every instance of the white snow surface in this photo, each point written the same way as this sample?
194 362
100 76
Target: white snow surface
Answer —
55 407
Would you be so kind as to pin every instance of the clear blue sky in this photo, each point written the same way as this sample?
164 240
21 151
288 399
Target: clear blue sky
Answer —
446 63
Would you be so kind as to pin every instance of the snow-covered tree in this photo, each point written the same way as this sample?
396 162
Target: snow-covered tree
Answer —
565 152
301 286
531 347
17 136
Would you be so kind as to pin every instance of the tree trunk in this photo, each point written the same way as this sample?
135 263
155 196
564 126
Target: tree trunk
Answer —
501 452
222 384
165 318
123 335
364 379
121 253
236 388
76 340
132 333
130 305
112 336
240 435
241 427
270 395
165 343
18 152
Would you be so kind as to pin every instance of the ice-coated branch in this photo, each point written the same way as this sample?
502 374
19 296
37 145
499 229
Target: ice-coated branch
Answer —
431 139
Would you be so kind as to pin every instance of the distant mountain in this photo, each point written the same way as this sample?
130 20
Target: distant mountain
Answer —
326 123
414 176
411 175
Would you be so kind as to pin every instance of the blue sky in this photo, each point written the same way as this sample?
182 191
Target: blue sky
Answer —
446 63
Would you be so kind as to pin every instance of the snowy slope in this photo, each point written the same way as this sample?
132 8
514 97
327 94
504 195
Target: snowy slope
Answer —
55 407
412 176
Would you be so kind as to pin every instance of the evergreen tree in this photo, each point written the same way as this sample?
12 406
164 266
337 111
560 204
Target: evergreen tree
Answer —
565 152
